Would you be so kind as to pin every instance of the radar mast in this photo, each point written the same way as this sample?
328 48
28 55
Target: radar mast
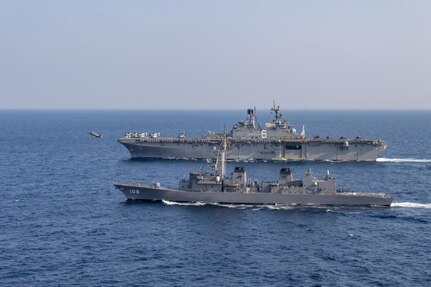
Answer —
276 110
220 165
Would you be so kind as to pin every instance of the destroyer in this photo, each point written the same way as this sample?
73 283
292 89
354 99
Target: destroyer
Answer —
248 140
217 188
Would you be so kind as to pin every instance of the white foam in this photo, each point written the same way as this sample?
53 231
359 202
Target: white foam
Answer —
254 207
411 204
404 160
238 206
168 202
285 207
281 207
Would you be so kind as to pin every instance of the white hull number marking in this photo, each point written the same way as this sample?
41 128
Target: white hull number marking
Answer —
134 191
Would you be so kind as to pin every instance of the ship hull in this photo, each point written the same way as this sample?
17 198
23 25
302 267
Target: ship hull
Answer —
151 193
295 150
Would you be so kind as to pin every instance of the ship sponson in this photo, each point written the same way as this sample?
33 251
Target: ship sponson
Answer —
247 141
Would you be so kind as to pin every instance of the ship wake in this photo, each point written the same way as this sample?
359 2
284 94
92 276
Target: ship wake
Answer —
285 207
168 202
404 160
411 205
254 207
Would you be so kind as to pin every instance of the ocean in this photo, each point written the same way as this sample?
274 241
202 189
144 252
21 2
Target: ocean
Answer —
62 222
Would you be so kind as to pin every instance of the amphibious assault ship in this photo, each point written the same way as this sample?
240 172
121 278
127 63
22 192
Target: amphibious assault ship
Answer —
248 141
215 187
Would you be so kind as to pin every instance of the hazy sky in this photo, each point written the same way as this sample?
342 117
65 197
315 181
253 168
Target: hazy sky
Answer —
215 54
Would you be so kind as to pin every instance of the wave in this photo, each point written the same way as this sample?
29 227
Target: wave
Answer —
285 207
411 204
237 206
271 206
168 202
281 206
404 160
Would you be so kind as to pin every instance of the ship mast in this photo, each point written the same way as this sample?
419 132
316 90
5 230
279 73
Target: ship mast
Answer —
220 165
223 155
276 110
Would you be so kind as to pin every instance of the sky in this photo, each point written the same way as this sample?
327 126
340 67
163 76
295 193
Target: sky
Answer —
104 54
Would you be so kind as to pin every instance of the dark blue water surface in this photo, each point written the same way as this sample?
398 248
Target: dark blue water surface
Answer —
63 223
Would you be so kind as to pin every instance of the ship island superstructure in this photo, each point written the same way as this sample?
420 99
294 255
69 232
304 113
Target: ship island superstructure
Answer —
277 140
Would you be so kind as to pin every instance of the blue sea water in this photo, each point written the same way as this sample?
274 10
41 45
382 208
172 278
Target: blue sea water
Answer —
62 223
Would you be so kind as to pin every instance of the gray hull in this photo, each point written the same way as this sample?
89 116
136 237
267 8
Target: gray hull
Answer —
149 193
271 150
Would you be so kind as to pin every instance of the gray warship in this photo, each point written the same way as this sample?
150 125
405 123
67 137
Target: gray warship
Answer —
215 187
248 141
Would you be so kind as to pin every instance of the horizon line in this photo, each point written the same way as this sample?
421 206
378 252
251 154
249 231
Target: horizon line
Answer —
211 109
